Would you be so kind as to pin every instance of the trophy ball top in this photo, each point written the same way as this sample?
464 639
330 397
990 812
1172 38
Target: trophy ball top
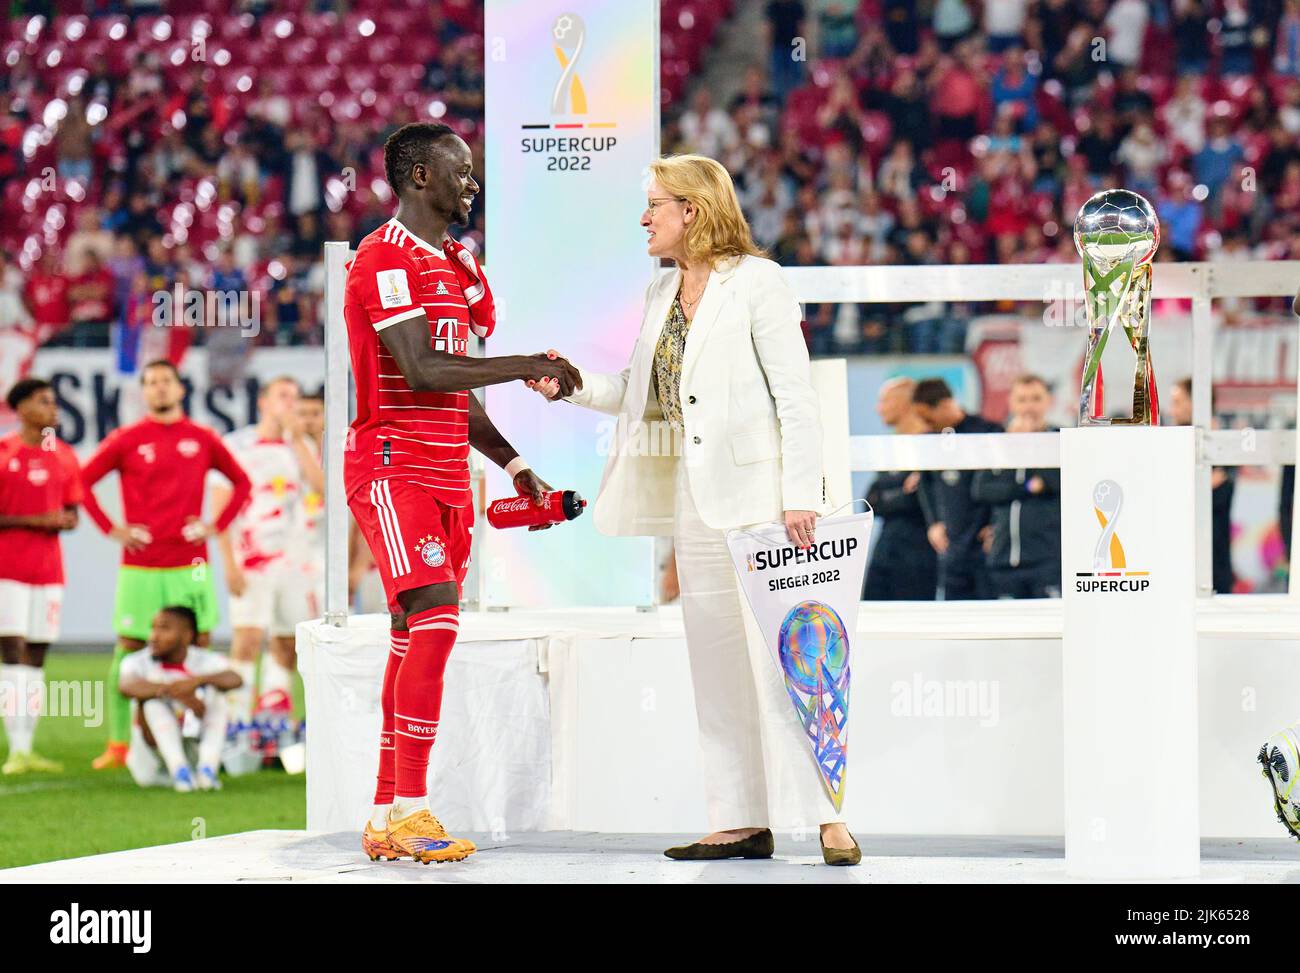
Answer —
1116 225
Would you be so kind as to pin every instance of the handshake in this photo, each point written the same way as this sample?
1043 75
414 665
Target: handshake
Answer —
557 377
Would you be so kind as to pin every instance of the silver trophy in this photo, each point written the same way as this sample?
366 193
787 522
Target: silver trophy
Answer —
1117 234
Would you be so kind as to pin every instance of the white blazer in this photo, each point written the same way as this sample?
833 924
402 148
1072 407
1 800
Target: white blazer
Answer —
753 440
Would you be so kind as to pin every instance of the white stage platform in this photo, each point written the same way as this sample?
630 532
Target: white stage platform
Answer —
584 720
568 857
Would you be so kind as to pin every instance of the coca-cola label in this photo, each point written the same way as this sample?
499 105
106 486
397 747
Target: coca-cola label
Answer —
514 505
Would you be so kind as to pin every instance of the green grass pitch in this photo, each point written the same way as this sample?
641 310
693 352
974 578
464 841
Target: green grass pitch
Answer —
45 817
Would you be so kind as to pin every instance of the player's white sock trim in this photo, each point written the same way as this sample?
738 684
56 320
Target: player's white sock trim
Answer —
379 816
33 703
405 806
13 704
240 700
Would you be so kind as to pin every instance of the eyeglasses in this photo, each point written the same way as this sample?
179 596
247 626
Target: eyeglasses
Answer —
654 204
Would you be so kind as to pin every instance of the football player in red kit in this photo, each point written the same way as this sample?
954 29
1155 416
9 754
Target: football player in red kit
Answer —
40 488
411 299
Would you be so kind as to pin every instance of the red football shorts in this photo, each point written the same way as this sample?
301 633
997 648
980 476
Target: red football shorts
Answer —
415 538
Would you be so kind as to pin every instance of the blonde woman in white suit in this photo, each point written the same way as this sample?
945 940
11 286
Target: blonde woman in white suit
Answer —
721 359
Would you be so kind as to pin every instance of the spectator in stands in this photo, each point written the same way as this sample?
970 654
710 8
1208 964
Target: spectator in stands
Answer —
76 144
1014 86
308 169
89 239
1126 27
837 33
956 97
90 301
785 23
953 21
953 516
1024 549
1213 165
707 130
903 565
46 296
229 338
1184 114
1004 23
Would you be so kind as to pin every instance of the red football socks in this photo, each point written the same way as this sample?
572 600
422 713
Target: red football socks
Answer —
398 643
418 695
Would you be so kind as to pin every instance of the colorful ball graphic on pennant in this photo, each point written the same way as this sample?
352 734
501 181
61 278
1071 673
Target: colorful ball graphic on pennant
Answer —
812 635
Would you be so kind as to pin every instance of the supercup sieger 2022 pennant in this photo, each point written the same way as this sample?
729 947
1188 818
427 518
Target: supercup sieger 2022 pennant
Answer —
806 603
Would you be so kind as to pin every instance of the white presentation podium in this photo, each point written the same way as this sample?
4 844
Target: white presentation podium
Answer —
1129 670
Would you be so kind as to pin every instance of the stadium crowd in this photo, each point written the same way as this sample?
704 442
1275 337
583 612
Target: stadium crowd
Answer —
149 158
954 132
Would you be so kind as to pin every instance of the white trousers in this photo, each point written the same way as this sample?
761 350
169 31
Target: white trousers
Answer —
759 769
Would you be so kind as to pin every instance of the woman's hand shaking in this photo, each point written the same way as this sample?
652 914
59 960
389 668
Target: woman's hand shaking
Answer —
549 388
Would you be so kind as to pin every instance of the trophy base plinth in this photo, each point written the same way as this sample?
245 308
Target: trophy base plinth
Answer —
1129 665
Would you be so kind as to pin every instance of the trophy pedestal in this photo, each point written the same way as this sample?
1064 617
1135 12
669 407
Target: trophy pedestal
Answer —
1129 666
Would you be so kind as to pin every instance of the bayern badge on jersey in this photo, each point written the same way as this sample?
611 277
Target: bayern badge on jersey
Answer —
432 552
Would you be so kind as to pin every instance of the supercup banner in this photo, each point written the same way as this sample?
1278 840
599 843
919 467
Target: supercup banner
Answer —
806 605
572 123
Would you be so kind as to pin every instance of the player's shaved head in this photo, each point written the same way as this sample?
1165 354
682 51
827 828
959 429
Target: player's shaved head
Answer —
409 146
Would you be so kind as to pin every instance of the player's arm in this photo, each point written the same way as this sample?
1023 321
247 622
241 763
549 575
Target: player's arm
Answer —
383 279
50 520
73 492
222 497
426 370
308 462
487 439
103 461
229 500
225 680
133 687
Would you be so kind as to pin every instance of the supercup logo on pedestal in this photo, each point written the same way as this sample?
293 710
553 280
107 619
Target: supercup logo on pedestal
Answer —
567 152
1110 570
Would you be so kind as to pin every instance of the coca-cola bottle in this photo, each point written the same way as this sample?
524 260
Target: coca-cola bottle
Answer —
561 505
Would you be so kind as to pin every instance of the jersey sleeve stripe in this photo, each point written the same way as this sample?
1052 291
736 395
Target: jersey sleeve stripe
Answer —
398 318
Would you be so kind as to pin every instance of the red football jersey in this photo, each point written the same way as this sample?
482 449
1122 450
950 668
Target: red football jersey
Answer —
34 480
422 437
163 467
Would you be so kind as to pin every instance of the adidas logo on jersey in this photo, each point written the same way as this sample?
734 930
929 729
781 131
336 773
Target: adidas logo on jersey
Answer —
442 288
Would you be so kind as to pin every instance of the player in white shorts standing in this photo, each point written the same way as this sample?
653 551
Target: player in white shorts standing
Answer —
181 716
40 488
258 548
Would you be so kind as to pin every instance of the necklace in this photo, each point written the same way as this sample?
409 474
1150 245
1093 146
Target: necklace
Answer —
688 303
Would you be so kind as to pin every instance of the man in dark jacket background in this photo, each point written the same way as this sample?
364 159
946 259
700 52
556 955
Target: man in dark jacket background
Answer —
903 565
953 515
1024 556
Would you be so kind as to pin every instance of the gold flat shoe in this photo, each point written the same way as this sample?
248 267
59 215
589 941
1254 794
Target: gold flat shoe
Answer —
842 856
